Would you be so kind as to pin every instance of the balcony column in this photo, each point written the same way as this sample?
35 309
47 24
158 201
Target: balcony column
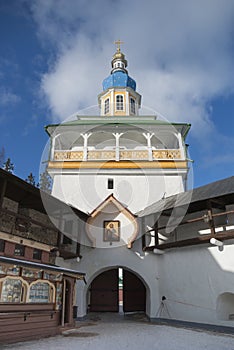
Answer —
181 146
148 137
85 147
117 137
52 146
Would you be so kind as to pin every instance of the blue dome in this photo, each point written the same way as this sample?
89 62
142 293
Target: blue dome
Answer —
118 79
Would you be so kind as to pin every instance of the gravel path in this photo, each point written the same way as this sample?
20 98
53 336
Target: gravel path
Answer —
104 334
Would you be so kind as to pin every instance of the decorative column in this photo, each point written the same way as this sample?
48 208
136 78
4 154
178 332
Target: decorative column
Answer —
117 136
52 147
148 137
85 147
127 102
181 146
112 102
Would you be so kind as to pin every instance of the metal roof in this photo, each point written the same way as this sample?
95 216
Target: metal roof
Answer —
197 198
136 120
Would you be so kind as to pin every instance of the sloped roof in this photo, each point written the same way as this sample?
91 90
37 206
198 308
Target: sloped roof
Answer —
32 197
47 267
120 120
111 199
221 191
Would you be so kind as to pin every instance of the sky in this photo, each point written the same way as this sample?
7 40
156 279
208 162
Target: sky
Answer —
55 54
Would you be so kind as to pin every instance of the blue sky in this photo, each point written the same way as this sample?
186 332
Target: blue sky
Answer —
55 53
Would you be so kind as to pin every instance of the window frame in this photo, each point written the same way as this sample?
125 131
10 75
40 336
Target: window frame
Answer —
23 292
132 105
51 292
20 248
35 252
107 106
110 184
119 105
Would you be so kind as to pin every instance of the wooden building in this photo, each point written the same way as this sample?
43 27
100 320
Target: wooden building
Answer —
37 297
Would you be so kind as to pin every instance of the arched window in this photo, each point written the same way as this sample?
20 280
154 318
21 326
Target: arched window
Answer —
13 290
119 103
132 106
41 292
225 306
107 106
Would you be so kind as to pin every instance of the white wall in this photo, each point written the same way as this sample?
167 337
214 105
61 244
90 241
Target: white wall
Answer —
192 279
137 191
96 261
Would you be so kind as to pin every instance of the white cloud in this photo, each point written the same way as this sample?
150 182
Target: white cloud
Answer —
180 53
7 98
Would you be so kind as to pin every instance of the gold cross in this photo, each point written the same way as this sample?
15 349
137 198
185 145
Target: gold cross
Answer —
118 43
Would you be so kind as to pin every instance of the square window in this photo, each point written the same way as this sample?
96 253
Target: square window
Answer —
119 103
37 254
19 250
110 184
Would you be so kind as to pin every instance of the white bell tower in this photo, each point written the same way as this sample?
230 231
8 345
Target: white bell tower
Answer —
137 159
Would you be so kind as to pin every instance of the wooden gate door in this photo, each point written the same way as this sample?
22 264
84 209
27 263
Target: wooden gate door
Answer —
104 292
134 293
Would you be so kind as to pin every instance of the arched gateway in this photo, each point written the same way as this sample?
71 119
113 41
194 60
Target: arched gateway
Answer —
117 289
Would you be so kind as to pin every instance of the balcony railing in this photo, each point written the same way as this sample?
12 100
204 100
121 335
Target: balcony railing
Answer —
27 227
42 232
163 154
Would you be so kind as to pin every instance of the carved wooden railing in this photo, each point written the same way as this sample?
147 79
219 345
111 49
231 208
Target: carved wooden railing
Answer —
123 155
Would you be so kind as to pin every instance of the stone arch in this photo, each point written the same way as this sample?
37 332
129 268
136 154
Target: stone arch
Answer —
115 266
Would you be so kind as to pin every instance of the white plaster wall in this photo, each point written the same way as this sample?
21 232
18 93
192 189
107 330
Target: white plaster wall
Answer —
136 191
96 261
192 279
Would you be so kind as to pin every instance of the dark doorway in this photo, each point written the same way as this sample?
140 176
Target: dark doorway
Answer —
107 288
104 292
68 298
134 293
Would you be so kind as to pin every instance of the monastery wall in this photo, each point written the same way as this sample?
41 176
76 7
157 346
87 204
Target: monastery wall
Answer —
198 284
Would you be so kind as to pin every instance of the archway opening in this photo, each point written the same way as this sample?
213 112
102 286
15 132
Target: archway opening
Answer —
117 290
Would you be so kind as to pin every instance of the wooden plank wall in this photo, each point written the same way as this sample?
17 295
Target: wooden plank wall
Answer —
28 325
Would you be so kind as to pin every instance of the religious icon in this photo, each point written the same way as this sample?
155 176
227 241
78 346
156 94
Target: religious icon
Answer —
111 231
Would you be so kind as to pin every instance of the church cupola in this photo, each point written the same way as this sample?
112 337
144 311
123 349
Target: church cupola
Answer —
119 63
119 96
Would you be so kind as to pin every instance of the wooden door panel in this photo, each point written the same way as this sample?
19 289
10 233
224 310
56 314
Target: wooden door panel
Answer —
134 293
104 292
